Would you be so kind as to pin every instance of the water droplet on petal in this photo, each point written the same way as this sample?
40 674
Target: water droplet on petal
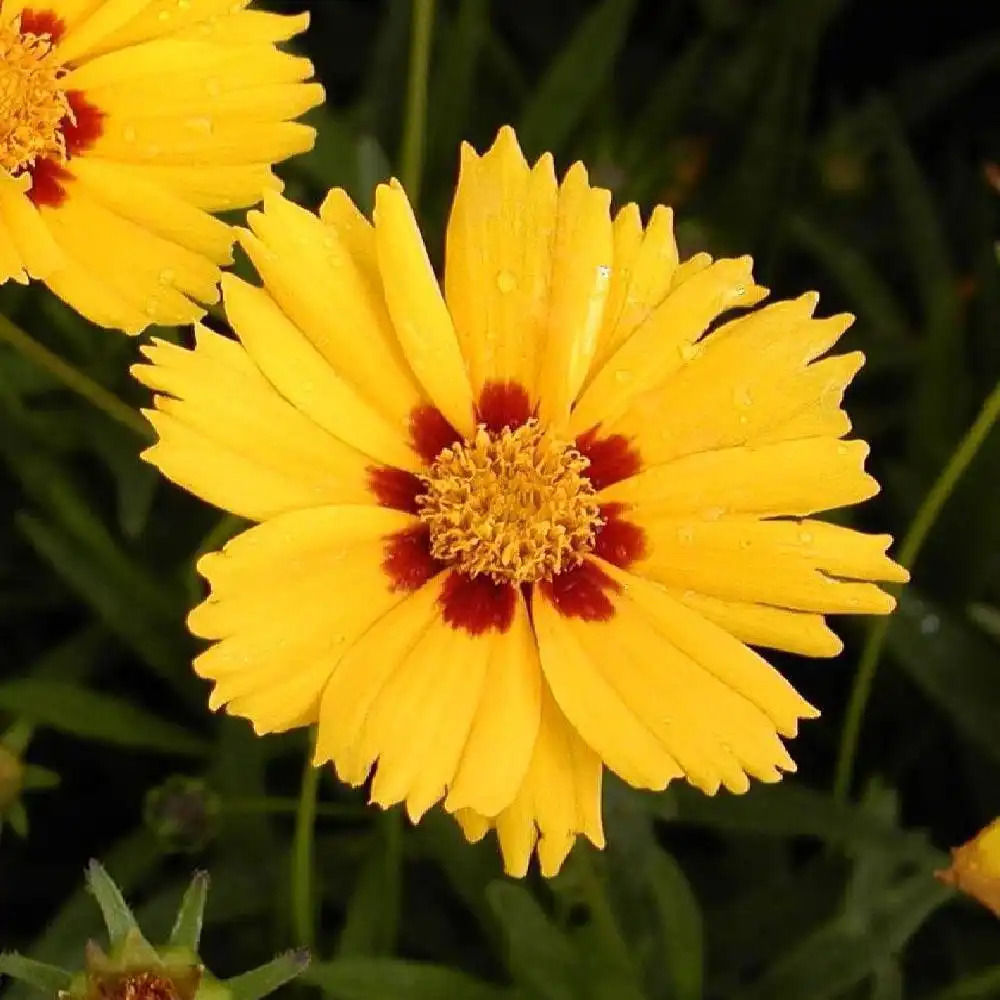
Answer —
685 535
506 281
167 276
128 133
742 397
183 4
623 375
688 352
841 449
213 86
201 124
713 513
805 537
164 15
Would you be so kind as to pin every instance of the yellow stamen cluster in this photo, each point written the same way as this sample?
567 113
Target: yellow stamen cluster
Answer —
32 104
514 506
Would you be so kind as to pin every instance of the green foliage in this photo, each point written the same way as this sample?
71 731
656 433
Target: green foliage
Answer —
846 152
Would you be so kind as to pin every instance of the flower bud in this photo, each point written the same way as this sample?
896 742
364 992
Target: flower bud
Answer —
183 813
975 867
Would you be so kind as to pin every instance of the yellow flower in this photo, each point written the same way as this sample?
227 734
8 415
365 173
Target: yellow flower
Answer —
975 867
523 530
123 124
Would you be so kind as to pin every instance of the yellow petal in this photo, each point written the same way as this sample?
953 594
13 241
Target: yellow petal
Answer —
503 733
418 725
661 344
303 377
559 800
801 565
745 380
288 598
93 298
131 196
331 296
762 625
718 653
228 436
975 867
788 478
419 314
213 189
645 264
28 245
86 35
498 261
584 687
362 674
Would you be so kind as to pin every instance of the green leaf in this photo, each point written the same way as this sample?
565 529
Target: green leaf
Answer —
953 665
983 985
372 919
793 810
48 978
89 715
186 932
262 981
579 74
394 979
36 779
539 956
844 952
114 587
118 917
17 817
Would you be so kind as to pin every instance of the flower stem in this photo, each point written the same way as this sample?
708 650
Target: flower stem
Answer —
303 906
412 158
76 381
604 922
916 535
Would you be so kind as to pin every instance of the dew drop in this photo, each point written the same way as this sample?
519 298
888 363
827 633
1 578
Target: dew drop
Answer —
213 86
685 535
603 272
742 397
152 306
506 281
202 124
713 513
739 291
623 375
167 276
164 15
128 133
841 449
744 419
688 352
183 4
805 537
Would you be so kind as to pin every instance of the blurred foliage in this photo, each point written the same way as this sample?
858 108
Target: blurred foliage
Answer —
846 144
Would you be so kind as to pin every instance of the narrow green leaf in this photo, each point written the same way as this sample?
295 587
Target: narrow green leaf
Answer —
394 979
793 810
94 716
262 981
48 978
983 985
576 78
539 956
17 817
372 919
118 917
953 665
845 952
36 779
186 932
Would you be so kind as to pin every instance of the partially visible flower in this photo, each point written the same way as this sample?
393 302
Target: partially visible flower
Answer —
122 126
132 969
525 527
18 777
975 867
183 813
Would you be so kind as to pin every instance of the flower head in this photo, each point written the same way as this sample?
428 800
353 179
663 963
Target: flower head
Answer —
524 529
132 969
975 867
122 126
18 777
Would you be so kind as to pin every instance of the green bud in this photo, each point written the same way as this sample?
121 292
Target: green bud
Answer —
183 813
132 969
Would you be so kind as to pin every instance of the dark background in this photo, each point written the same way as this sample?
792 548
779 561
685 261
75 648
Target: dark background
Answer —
846 144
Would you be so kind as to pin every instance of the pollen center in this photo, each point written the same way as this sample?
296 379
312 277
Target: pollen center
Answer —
32 103
513 505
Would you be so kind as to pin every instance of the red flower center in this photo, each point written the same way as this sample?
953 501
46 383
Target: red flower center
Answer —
510 508
42 125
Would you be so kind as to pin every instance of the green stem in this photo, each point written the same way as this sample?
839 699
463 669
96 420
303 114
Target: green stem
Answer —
107 402
596 897
287 807
913 541
303 907
412 158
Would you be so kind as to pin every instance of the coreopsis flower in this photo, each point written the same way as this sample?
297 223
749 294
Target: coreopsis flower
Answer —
975 867
528 527
122 126
133 969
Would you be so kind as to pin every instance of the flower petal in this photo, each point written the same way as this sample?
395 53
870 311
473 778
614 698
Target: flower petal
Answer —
660 345
499 747
800 565
28 248
419 314
787 478
328 291
498 261
228 436
287 599
581 276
